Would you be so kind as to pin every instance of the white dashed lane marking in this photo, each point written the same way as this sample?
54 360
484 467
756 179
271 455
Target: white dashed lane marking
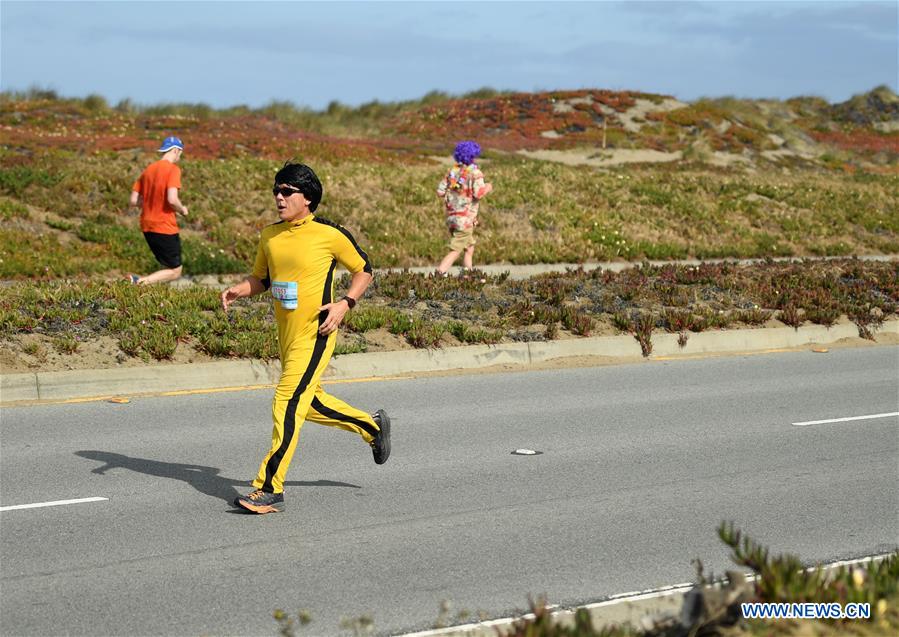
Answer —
55 503
847 419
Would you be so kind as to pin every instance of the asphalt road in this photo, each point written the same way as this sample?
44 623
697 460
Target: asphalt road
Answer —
639 464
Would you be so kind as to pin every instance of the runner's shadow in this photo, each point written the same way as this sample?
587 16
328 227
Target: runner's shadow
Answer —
206 480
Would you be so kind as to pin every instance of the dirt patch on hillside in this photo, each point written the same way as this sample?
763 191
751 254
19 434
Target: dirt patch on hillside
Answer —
601 158
23 353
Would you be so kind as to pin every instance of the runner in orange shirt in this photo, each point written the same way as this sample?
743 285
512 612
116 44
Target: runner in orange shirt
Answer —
156 193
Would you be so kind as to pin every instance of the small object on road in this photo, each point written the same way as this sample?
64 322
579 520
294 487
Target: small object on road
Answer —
119 401
526 452
820 350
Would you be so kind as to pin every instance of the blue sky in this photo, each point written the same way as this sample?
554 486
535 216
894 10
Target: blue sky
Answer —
310 53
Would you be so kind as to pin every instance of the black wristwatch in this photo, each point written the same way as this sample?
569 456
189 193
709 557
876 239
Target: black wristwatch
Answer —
350 301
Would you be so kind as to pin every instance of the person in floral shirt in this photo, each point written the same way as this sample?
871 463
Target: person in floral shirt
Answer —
462 189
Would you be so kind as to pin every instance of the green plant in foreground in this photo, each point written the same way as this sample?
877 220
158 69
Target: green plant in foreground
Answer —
783 578
467 334
130 341
369 317
160 342
65 344
825 315
575 321
356 347
867 319
32 349
424 335
678 321
642 326
712 607
399 323
790 315
754 316
621 321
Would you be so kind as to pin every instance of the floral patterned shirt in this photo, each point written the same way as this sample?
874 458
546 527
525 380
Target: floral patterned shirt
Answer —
461 189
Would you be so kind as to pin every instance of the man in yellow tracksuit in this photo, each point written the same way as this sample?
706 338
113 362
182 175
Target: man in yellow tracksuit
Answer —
296 259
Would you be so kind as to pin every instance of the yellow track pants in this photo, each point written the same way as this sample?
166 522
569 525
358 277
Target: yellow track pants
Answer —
300 397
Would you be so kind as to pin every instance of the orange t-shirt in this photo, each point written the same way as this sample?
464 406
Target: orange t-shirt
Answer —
156 213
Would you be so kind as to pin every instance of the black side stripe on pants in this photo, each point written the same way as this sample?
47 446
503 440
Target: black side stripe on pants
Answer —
318 406
290 417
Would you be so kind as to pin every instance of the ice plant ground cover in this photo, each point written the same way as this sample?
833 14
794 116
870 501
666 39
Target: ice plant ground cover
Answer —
79 323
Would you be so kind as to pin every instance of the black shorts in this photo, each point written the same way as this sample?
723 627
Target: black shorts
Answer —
166 248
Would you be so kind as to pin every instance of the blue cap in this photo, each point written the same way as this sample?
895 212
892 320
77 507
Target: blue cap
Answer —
169 143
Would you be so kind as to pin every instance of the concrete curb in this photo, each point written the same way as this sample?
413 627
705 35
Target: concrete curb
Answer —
135 380
75 384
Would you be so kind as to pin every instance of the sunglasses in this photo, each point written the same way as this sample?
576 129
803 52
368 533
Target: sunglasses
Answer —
284 191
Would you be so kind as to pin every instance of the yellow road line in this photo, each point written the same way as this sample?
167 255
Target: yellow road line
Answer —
687 357
211 390
191 392
218 390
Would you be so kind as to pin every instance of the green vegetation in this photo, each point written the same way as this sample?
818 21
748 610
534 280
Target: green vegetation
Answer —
336 119
544 212
66 167
429 312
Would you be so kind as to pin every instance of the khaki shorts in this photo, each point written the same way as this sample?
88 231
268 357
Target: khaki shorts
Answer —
461 239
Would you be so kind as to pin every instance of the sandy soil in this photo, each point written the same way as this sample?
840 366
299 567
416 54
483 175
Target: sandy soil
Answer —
22 353
632 120
598 157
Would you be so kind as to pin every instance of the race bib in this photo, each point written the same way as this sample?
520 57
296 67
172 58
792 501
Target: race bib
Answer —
285 292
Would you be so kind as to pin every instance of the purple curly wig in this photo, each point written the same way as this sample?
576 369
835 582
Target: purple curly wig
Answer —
466 152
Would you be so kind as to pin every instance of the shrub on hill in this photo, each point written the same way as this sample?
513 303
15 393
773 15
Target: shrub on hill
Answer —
877 105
